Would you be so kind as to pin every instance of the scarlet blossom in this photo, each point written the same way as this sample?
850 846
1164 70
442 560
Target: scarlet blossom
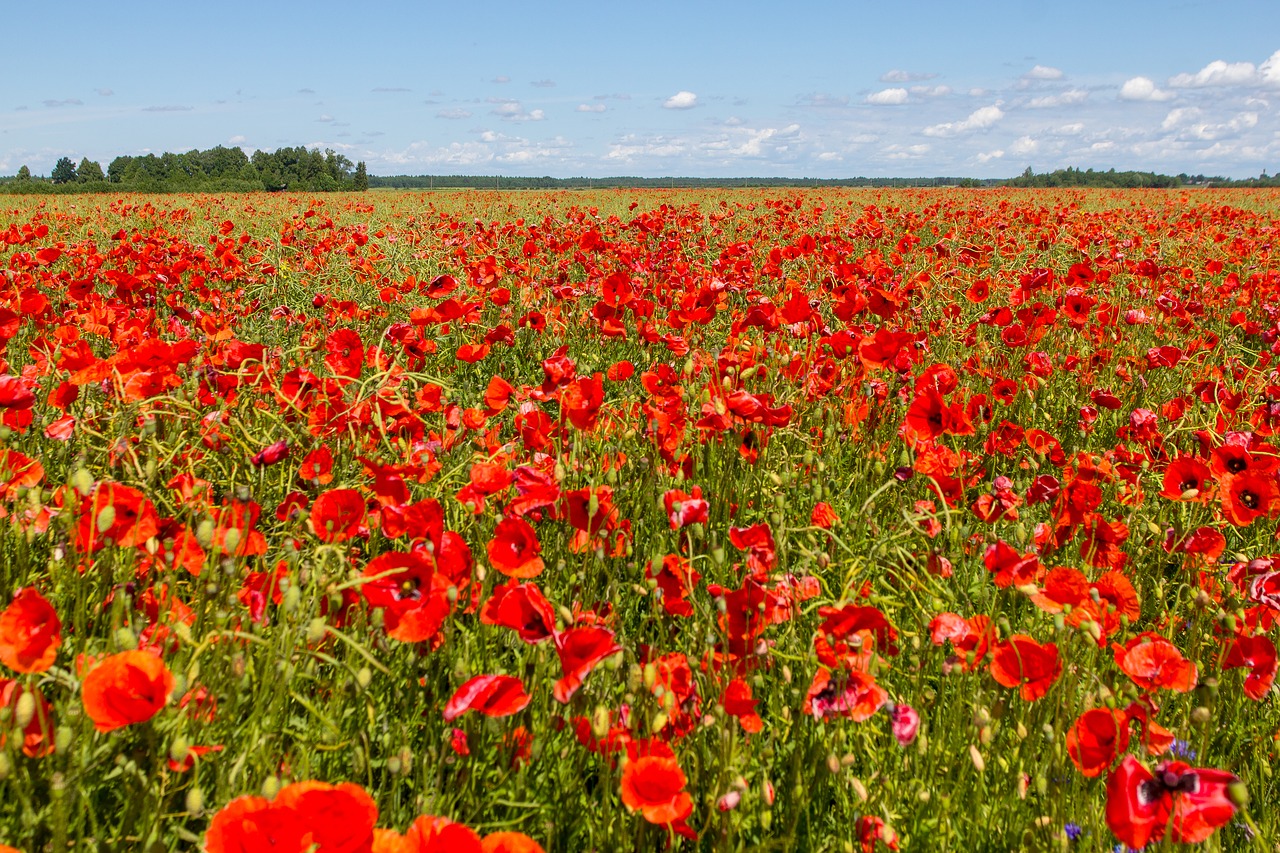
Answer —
1186 478
1249 496
126 688
430 834
823 516
30 632
491 695
871 829
971 638
37 733
514 549
676 578
337 515
412 593
737 702
580 650
1026 664
522 608
1096 738
115 513
850 693
1258 654
1152 662
581 400
653 785
344 353
271 454
509 842
1187 802
304 816
1011 568
685 509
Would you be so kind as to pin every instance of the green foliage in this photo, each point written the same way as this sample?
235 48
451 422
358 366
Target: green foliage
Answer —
24 174
64 172
89 171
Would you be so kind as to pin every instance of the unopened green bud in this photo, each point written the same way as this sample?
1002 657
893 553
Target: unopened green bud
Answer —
316 629
195 801
25 709
271 787
106 518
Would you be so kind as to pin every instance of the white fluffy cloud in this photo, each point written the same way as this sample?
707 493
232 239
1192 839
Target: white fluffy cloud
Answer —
1043 72
1142 89
888 97
1217 73
597 107
1062 99
681 100
979 119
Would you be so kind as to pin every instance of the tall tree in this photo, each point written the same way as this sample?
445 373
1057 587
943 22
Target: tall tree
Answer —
360 182
24 174
64 171
88 171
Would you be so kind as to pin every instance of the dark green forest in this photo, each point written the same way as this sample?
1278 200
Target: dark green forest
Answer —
218 169
222 169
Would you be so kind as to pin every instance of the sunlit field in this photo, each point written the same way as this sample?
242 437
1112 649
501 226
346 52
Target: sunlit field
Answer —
717 521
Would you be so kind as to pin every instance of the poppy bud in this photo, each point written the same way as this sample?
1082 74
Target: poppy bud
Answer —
978 763
195 801
1201 716
62 739
106 518
316 629
6 766
125 639
179 750
833 763
271 787
859 789
363 677
24 710
231 540
1238 794
83 481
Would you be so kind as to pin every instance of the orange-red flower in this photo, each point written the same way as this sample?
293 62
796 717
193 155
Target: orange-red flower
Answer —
337 515
1096 738
126 688
580 650
1024 663
1154 663
846 693
653 785
514 549
1188 802
30 632
37 733
304 816
491 695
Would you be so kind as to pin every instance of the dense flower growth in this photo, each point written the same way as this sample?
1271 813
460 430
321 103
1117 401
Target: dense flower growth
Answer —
634 520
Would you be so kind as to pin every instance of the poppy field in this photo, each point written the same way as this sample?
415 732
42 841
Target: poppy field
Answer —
693 520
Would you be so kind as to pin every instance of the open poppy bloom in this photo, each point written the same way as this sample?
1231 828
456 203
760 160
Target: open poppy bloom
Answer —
522 608
514 549
491 695
337 515
303 816
1187 802
653 784
580 650
1023 663
851 694
1153 663
30 632
1096 739
126 688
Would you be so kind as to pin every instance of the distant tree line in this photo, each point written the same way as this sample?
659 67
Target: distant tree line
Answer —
222 169
1111 179
219 169
503 182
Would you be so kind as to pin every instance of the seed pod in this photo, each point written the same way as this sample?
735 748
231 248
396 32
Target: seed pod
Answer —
195 801
25 709
106 518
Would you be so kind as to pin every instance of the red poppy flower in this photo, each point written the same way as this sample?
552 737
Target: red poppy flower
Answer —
115 513
509 842
339 818
337 515
685 509
37 733
522 608
1186 478
514 549
1249 496
871 829
414 597
1023 663
429 834
677 578
344 353
30 632
580 650
971 638
1153 663
848 693
1098 736
654 786
737 702
126 688
823 516
1257 653
255 823
491 695
1190 802
581 400
271 454
1011 568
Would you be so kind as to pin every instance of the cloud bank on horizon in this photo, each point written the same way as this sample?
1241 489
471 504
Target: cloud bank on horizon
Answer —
708 92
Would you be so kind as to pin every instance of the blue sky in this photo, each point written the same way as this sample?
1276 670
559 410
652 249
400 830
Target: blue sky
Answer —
655 88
